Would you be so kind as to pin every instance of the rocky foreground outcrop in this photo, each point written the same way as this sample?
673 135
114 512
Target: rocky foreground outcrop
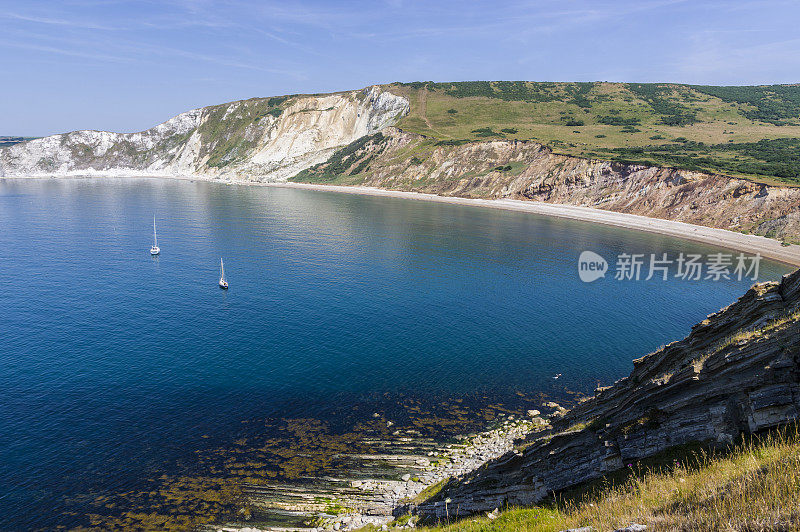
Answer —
737 372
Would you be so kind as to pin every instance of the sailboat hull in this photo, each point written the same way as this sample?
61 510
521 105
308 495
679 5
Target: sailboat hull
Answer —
223 285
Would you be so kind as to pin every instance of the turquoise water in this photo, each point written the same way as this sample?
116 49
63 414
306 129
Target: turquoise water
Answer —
113 363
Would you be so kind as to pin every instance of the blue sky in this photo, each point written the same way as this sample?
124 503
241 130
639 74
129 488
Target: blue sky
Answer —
125 66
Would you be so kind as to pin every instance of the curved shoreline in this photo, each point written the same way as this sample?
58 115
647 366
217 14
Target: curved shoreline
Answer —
766 247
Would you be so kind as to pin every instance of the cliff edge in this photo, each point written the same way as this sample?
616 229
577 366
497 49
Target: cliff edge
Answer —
737 372
261 139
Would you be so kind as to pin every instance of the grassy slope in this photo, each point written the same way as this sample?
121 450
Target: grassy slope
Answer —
754 486
700 128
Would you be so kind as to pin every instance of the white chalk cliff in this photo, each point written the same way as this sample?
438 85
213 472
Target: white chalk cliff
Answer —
265 139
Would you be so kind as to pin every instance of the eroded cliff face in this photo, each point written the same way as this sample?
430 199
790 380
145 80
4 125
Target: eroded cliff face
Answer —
526 170
266 139
347 138
737 372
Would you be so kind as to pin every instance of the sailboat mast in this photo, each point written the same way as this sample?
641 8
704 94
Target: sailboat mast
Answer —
222 282
155 235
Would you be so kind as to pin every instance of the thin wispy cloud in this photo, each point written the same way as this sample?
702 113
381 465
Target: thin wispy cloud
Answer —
100 47
161 22
170 55
59 22
62 51
145 50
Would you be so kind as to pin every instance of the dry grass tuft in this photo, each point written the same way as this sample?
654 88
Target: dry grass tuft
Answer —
754 487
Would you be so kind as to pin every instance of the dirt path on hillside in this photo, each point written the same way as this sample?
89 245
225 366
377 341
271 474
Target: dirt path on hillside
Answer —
423 108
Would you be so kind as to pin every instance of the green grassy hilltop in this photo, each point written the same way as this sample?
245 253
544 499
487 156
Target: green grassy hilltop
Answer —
741 131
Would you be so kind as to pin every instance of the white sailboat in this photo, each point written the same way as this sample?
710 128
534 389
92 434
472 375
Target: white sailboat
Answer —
155 250
222 282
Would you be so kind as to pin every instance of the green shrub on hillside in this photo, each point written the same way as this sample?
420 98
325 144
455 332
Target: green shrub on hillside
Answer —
484 132
504 90
616 120
657 96
451 142
778 157
223 133
416 85
275 101
361 151
579 92
775 104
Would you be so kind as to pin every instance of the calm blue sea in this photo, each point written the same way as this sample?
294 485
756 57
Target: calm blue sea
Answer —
113 362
